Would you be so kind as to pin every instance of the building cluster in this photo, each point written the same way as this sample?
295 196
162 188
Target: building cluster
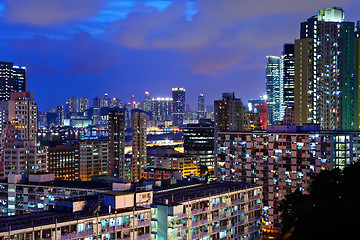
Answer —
163 113
120 210
116 171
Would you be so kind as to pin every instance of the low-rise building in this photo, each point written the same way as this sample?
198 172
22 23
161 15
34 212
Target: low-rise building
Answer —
207 211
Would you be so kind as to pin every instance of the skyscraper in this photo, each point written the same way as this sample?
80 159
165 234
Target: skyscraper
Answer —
229 116
139 153
96 110
178 96
199 141
147 102
60 114
274 90
229 113
12 79
201 106
326 80
116 128
23 110
287 73
162 109
83 104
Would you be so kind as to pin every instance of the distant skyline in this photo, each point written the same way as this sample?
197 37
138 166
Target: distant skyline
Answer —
91 47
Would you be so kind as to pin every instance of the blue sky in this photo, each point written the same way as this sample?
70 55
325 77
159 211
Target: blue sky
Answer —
89 47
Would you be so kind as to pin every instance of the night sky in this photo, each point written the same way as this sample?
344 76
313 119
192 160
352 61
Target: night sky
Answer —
122 47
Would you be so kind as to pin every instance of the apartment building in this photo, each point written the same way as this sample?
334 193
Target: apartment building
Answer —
282 160
207 211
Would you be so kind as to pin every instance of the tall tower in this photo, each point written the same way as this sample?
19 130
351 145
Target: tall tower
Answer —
147 102
23 110
357 63
60 114
229 113
287 73
326 80
229 116
201 106
178 96
274 90
139 153
116 128
96 110
162 109
83 104
12 79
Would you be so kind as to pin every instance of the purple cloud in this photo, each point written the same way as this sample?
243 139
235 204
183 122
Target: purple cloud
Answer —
50 12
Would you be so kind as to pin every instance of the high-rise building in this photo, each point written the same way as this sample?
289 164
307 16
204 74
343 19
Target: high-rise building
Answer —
23 157
12 79
116 129
178 114
83 104
23 110
3 114
229 113
287 73
96 110
147 102
64 162
199 142
201 106
60 114
74 105
357 62
274 90
282 160
93 158
326 80
162 109
259 106
139 153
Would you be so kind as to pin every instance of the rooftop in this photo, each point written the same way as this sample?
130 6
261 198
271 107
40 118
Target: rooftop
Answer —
192 192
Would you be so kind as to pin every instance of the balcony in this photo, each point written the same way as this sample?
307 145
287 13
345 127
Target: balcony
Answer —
143 237
237 235
85 233
237 212
221 205
121 227
235 224
68 236
143 223
237 201
180 215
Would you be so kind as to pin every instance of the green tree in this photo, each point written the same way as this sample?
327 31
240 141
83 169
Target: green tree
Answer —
330 211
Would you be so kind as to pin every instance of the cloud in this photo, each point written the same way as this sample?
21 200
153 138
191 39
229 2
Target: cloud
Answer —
223 28
50 12
81 55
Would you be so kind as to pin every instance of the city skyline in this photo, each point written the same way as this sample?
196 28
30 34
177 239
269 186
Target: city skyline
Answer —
89 48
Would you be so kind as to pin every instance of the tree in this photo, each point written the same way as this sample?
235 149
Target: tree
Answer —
330 211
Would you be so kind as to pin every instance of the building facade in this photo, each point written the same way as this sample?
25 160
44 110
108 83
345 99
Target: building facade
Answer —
116 128
139 134
199 141
274 90
326 80
178 114
281 160
12 79
94 158
210 211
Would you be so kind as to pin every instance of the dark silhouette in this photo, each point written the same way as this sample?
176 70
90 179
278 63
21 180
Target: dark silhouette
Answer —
330 211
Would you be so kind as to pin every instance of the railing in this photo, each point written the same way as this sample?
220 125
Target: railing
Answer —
142 237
